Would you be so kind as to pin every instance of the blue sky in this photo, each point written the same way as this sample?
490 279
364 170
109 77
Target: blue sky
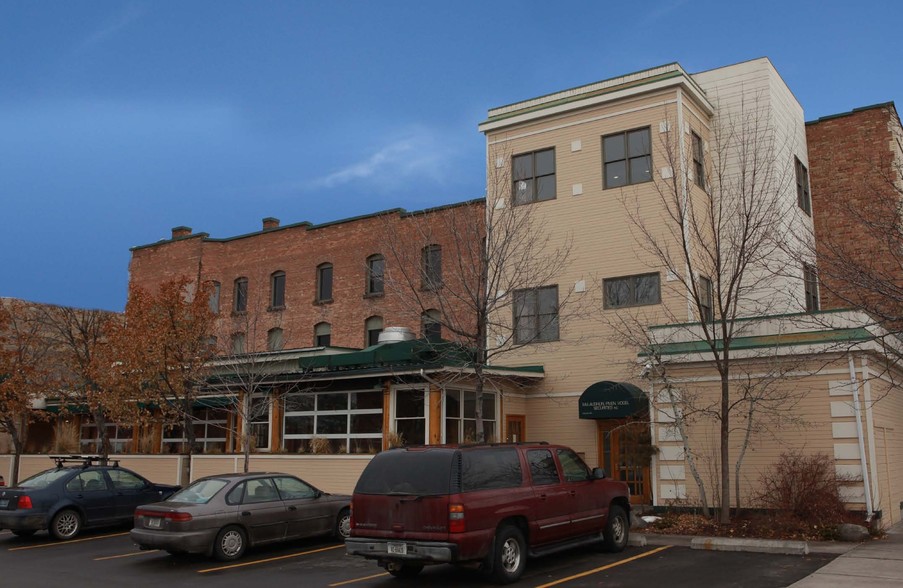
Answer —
122 119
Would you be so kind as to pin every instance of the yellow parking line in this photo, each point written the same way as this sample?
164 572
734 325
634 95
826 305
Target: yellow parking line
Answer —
358 579
59 543
603 568
133 554
259 561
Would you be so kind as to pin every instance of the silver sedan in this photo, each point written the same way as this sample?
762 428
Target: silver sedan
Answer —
224 515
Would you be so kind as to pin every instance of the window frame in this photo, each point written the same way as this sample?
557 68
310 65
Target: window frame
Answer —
368 329
319 327
274 344
534 177
376 285
632 283
803 192
462 422
240 295
627 158
706 294
215 296
277 290
698 153
325 275
539 328
810 288
349 436
431 266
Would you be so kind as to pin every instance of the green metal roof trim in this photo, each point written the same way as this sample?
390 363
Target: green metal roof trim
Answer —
763 341
310 226
417 353
749 319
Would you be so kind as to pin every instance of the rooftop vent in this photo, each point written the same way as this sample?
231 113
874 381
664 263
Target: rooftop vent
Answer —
178 232
396 335
270 223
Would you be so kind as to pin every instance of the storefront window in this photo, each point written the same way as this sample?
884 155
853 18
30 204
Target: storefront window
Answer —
210 429
333 422
461 417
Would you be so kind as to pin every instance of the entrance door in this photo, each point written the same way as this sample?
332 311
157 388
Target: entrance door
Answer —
625 451
515 428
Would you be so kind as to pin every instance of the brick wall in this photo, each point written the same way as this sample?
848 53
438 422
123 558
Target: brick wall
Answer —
297 250
852 165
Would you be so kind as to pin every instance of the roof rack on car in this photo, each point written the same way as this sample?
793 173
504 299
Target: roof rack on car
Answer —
84 460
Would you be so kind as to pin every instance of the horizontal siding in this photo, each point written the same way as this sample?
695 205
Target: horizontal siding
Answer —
888 415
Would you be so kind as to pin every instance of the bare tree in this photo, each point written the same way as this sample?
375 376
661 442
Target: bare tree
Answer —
719 229
496 288
24 372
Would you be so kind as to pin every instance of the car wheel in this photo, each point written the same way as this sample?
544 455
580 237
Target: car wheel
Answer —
230 544
65 524
404 570
509 555
24 533
616 531
343 525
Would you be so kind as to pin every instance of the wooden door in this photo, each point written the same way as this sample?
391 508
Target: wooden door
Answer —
625 455
515 428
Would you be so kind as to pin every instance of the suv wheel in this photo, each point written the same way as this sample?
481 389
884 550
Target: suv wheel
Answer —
509 556
616 530
404 570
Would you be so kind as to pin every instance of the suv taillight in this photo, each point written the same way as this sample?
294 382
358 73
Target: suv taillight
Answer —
25 501
456 518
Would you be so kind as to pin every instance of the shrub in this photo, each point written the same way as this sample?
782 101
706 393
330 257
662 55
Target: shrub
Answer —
805 486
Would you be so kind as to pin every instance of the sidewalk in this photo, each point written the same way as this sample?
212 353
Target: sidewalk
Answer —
875 563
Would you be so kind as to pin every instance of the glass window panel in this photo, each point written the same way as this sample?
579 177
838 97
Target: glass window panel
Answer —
367 400
613 148
640 169
647 289
542 467
574 468
523 191
470 432
332 424
525 330
366 423
260 432
409 403
488 406
299 402
616 174
638 143
299 425
470 405
325 283
489 431
453 403
452 435
488 469
545 162
545 188
523 166
413 431
548 300
332 401
278 290
617 292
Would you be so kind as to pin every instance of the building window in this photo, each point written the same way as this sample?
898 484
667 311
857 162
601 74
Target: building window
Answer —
277 290
627 158
373 326
632 291
215 289
810 281
322 335
461 415
802 187
351 422
431 325
376 267
210 431
534 176
119 436
240 297
536 315
259 422
410 416
324 282
238 343
431 267
706 300
698 161
275 339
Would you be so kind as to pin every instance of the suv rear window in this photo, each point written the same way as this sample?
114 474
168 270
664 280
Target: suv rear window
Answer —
484 469
405 472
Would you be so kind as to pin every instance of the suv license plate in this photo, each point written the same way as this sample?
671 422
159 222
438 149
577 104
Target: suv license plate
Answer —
154 523
398 548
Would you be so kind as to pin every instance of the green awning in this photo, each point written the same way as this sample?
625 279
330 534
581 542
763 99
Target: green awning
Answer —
611 400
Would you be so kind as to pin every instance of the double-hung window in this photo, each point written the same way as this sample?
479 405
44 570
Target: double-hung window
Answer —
376 267
324 282
536 315
810 281
802 187
627 158
277 290
240 295
698 161
534 176
431 267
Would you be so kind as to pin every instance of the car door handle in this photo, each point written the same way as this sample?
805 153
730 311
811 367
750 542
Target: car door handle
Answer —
293 508
246 513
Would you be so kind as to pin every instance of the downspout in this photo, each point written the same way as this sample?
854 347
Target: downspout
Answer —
861 439
870 432
684 201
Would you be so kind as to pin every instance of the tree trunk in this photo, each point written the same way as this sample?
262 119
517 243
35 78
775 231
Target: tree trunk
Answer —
246 431
100 421
725 515
18 447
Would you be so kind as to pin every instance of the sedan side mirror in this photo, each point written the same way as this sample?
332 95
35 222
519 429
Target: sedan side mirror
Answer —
598 474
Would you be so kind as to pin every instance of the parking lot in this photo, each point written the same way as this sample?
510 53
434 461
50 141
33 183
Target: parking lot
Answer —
108 557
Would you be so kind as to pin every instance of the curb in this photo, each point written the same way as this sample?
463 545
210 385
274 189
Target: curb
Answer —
735 544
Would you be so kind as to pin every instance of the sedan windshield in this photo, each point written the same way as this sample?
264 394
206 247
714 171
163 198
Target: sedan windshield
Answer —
200 492
44 479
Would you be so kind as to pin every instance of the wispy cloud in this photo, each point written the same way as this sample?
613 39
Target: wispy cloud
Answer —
662 10
414 156
129 13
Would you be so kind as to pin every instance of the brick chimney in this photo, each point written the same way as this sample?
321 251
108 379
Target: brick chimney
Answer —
179 232
270 223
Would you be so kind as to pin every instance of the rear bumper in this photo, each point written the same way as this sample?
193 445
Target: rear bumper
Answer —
21 521
189 542
422 551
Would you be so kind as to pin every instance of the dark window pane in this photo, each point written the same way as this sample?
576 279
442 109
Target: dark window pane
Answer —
332 424
391 473
616 174
299 403
452 434
278 287
409 403
373 336
325 283
323 340
367 400
647 291
413 431
640 169
545 162
488 406
453 403
545 188
332 401
617 292
548 300
523 191
613 148
485 469
299 425
574 468
542 467
523 166
367 423
470 405
638 143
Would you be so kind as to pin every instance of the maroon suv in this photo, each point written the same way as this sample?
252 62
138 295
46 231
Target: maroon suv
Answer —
492 504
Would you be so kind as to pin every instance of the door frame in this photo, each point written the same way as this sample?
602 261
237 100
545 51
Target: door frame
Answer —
606 426
521 419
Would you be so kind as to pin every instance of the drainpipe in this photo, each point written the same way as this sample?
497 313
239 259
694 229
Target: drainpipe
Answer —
859 435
